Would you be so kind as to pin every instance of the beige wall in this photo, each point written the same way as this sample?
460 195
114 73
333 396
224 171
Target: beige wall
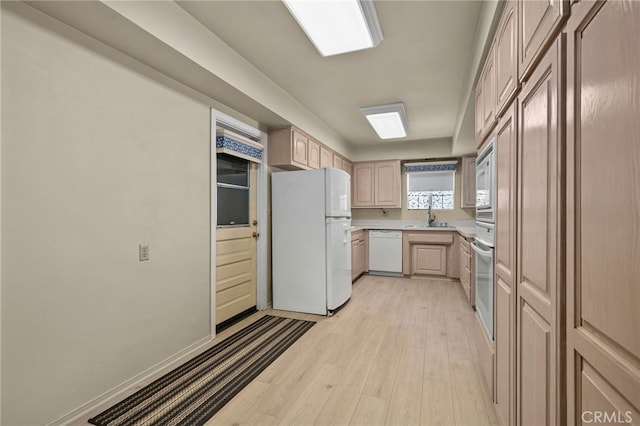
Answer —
441 215
96 158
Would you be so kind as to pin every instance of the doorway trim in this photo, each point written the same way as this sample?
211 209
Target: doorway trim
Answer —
220 118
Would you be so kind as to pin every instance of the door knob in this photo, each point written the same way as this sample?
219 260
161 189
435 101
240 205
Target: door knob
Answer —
254 222
255 234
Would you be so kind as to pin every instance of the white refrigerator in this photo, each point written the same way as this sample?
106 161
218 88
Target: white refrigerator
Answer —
311 240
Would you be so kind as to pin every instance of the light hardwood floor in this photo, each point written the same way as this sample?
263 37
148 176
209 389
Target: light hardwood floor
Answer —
399 353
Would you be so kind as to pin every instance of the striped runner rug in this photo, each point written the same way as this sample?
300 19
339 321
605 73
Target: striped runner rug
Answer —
192 393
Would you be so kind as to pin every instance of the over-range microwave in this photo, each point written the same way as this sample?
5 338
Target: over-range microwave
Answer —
485 185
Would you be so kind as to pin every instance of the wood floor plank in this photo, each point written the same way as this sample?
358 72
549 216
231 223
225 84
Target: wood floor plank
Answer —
468 404
406 400
456 336
370 411
383 374
241 409
437 404
310 402
345 396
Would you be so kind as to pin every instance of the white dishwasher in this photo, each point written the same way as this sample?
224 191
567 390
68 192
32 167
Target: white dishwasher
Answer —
385 252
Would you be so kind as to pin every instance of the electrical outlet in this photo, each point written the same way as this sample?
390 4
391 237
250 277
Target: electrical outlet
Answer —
143 251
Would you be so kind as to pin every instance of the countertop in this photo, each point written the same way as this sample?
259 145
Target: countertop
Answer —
465 228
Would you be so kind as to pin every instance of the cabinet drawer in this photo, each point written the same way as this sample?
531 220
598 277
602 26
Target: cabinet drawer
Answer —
434 238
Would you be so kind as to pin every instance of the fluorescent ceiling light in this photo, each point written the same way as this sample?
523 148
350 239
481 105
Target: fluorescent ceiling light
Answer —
389 121
337 26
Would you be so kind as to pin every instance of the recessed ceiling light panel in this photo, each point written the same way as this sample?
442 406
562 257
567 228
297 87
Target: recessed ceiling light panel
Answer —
337 26
388 121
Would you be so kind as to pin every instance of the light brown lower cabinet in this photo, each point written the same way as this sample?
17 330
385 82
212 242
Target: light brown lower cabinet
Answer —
466 266
430 253
603 213
359 253
486 354
429 259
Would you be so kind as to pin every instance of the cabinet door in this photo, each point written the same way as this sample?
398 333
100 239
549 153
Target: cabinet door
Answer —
313 155
506 58
468 179
355 259
299 149
489 90
361 256
429 259
538 23
539 289
505 238
347 166
362 195
479 112
326 157
387 183
603 182
337 161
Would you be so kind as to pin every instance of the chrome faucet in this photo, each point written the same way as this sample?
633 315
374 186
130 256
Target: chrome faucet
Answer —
431 218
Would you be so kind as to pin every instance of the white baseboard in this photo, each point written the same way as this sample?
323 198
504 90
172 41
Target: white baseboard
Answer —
91 405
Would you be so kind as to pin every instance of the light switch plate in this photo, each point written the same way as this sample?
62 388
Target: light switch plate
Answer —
143 251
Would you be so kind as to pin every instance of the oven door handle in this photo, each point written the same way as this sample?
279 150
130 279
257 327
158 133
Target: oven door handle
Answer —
484 253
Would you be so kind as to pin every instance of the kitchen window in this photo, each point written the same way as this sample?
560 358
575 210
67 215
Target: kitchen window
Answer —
233 190
431 183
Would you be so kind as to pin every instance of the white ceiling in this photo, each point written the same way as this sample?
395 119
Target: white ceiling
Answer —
425 61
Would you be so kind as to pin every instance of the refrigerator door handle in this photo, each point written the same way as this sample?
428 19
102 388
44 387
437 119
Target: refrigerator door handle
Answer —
345 227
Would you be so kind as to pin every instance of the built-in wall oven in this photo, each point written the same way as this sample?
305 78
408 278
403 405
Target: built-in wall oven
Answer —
485 185
483 245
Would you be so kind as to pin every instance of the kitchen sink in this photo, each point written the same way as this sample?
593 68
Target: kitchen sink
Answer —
440 225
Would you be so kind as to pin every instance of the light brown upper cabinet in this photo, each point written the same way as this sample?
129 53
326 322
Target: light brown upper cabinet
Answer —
326 157
479 112
347 166
486 98
292 149
506 58
540 292
489 90
300 148
313 154
288 148
337 161
376 184
603 212
538 23
468 179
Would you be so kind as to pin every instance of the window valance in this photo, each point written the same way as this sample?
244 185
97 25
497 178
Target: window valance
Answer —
433 166
237 145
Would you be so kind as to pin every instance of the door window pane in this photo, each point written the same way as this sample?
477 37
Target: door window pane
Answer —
233 190
233 206
233 170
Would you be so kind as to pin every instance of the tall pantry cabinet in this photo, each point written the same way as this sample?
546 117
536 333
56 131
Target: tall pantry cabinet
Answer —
539 280
567 257
506 146
603 212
